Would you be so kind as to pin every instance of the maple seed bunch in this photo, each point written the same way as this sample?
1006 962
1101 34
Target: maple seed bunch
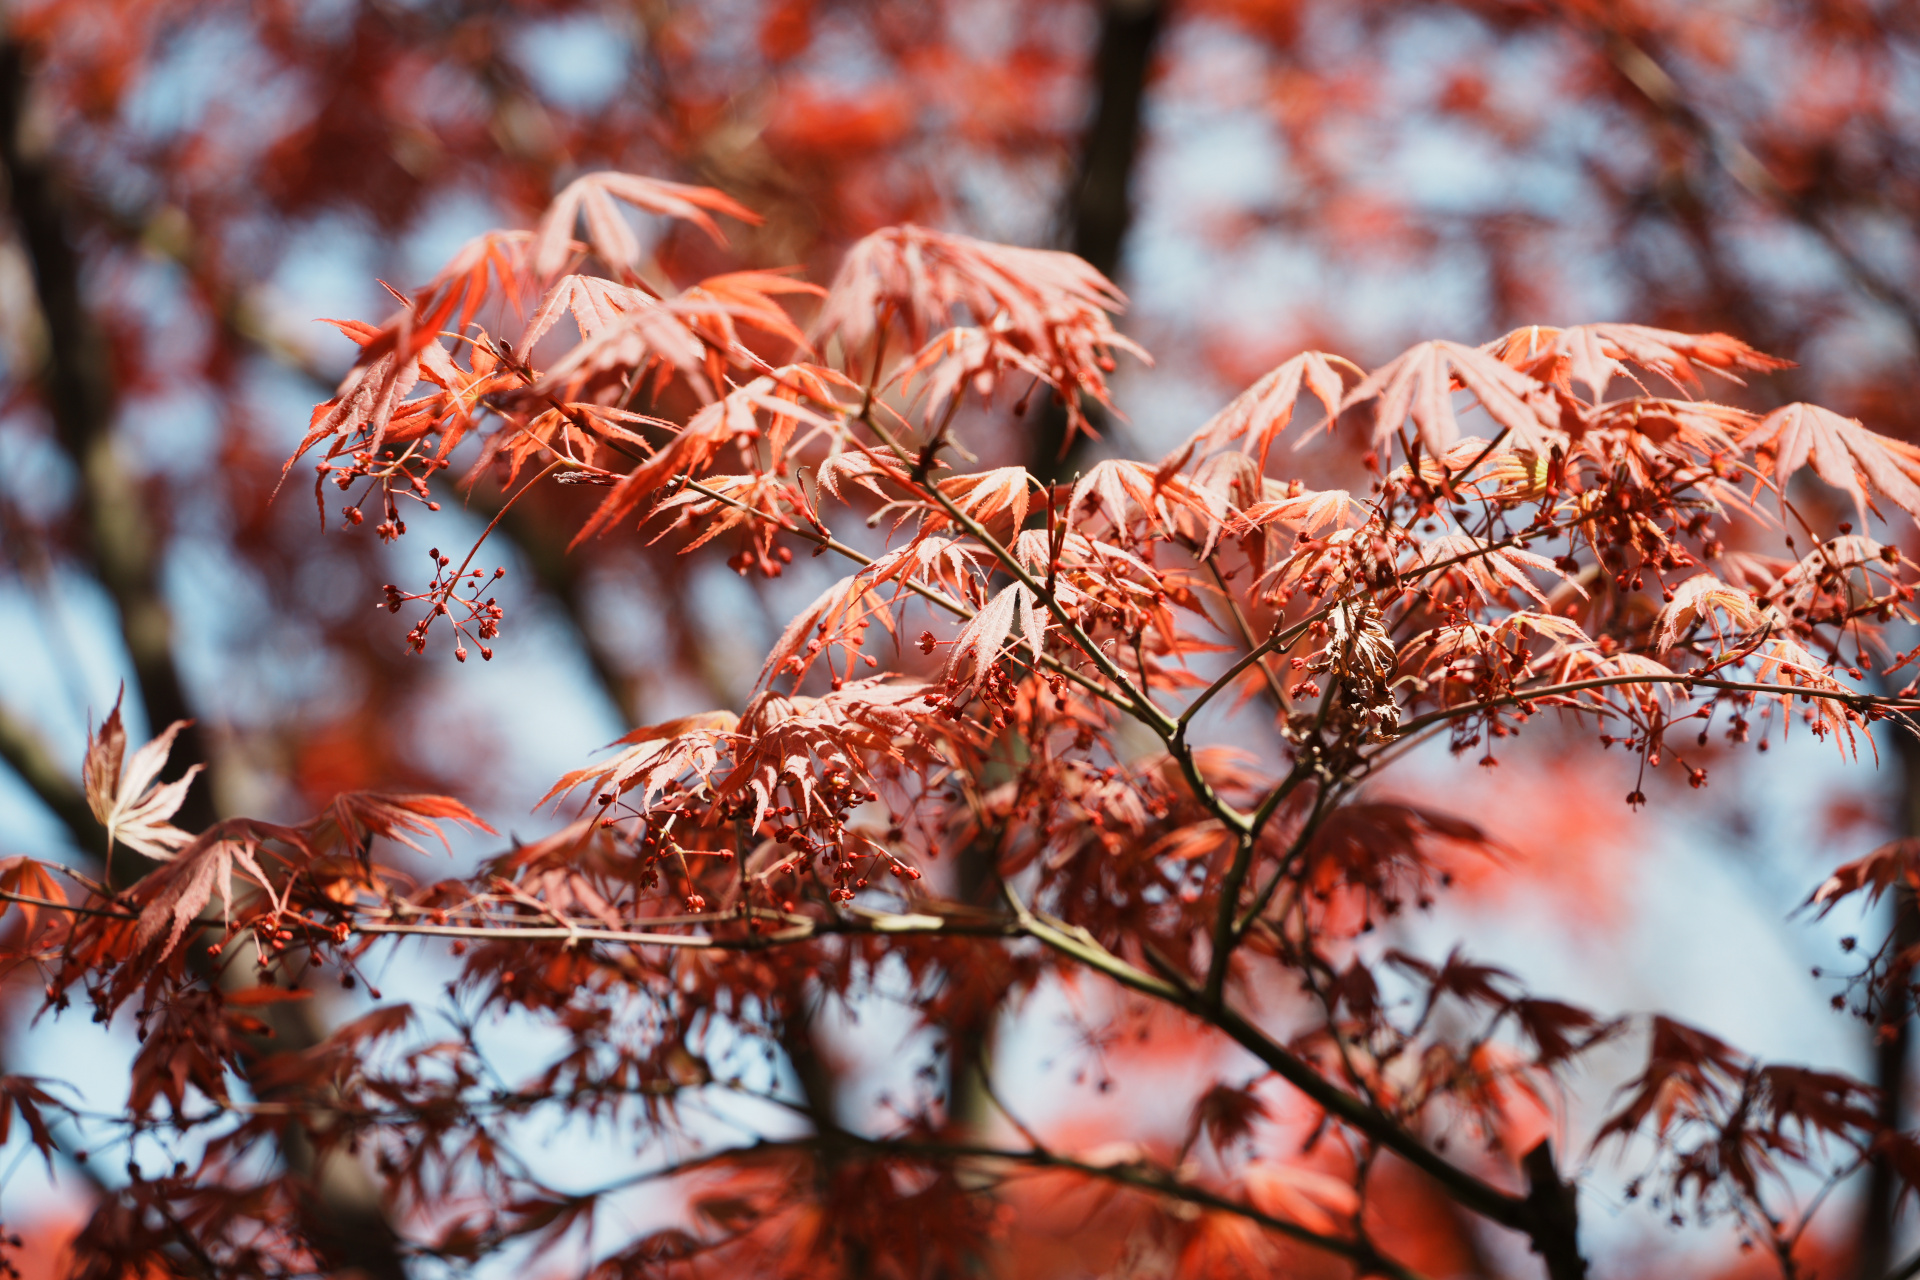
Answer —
1022 736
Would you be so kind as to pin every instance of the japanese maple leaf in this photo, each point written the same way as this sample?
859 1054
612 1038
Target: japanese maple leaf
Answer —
985 496
793 741
1594 353
1815 1105
393 356
1842 452
1040 310
824 623
171 898
592 197
1700 599
1227 1114
30 879
1688 1073
596 305
921 276
1306 511
658 754
494 261
1495 572
1894 863
944 563
946 365
24 1095
748 296
854 467
734 417
1260 413
1124 490
1511 1097
352 818
1420 382
645 335
989 635
1316 1200
125 799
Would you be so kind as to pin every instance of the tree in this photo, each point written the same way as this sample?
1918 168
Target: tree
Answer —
1159 695
1654 162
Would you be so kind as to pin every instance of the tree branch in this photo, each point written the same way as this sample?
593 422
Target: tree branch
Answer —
1739 162
77 385
1537 692
1139 1176
34 765
1481 1197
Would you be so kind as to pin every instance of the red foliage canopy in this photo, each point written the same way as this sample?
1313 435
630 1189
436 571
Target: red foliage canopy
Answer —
724 873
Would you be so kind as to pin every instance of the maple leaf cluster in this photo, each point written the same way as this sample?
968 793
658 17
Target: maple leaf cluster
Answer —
1167 691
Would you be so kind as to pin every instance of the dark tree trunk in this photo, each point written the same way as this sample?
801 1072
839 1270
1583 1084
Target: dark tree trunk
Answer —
1099 207
345 1219
1096 213
1555 1208
1892 1042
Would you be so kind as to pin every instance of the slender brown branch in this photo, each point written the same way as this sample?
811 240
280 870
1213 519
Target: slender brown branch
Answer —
1247 638
1140 1176
1143 707
1481 1197
932 595
27 899
1322 806
1224 913
1857 701
1278 642
1283 639
1666 96
866 922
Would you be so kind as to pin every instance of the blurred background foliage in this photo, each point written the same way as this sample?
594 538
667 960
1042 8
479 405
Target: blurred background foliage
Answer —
189 183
